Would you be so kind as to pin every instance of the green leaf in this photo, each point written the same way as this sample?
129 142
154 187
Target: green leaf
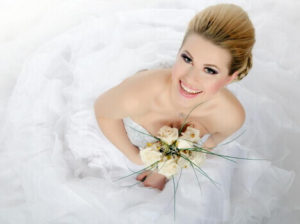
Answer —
207 152
234 157
187 118
196 177
146 134
199 170
139 171
174 190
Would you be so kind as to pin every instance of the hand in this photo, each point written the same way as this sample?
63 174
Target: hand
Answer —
152 179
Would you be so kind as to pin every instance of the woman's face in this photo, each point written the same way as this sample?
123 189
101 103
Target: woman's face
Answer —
200 71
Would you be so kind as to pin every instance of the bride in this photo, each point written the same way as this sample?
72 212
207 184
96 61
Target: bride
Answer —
216 51
74 121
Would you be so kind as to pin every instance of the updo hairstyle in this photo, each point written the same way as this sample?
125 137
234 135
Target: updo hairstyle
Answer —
228 26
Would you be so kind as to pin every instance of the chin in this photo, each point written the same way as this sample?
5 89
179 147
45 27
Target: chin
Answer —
184 103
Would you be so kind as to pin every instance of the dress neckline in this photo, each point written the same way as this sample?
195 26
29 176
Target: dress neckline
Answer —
137 124
202 140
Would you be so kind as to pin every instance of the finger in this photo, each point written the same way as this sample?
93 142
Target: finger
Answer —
155 182
142 176
158 185
148 183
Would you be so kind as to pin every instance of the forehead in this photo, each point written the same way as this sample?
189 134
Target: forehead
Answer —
204 51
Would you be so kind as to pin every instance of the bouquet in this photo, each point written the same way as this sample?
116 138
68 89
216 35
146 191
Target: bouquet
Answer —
172 152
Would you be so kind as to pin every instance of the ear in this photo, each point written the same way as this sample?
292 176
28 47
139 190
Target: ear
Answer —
232 77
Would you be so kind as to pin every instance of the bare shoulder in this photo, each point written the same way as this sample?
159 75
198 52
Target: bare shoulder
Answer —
147 80
229 115
147 84
131 97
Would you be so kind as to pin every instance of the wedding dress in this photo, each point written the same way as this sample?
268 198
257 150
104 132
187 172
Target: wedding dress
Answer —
56 166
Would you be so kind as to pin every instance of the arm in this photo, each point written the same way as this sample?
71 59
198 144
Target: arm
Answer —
225 125
121 101
115 132
115 104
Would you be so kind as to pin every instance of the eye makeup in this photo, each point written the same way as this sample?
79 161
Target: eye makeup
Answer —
210 71
186 58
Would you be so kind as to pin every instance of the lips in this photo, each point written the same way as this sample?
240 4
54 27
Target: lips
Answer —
188 88
187 94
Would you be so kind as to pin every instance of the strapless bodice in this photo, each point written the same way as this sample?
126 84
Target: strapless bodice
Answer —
139 136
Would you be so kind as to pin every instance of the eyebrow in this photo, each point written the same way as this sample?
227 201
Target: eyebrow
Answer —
212 65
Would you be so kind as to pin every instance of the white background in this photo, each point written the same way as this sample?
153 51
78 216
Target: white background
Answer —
25 25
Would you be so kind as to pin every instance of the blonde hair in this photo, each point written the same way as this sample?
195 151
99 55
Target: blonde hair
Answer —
228 26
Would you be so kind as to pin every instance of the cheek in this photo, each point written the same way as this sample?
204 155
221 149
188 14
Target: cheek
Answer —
176 71
216 86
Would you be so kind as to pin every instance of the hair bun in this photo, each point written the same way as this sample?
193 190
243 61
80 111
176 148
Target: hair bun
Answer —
246 68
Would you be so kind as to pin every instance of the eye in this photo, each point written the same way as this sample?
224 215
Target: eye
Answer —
210 71
186 58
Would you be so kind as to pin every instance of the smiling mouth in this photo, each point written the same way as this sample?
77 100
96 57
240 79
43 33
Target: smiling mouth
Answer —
187 90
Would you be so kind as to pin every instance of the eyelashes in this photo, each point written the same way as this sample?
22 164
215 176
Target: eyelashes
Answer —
188 60
210 71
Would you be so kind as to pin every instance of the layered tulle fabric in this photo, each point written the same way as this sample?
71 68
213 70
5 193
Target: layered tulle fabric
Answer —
58 167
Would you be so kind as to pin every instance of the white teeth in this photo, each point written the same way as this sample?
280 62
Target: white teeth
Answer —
187 89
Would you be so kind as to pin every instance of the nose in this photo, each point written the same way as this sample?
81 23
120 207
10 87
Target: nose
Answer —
193 75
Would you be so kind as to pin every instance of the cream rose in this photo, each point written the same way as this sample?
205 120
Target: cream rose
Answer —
168 134
168 168
182 162
198 158
191 134
182 144
155 146
150 155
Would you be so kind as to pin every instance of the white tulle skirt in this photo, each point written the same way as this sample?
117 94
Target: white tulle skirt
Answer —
57 167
